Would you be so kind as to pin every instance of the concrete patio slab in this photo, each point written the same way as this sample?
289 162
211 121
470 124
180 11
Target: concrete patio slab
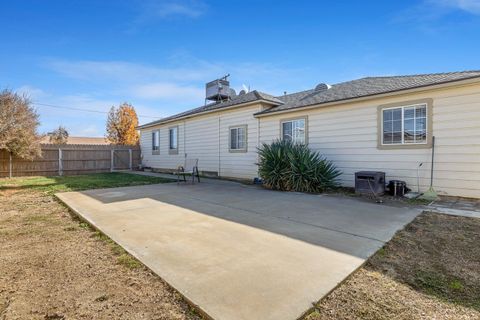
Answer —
240 252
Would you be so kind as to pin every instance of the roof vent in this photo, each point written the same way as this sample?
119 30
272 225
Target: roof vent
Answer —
322 87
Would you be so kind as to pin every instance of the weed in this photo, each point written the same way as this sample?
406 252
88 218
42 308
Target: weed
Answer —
382 252
84 225
456 285
117 250
128 261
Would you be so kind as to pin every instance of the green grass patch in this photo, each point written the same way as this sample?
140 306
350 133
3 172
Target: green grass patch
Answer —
51 185
417 202
456 285
84 225
128 261
446 288
382 252
431 282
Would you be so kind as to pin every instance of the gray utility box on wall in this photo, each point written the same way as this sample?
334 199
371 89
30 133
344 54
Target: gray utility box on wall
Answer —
370 182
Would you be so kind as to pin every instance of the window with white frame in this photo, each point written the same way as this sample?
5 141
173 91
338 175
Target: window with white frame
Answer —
294 130
404 125
173 138
238 138
156 140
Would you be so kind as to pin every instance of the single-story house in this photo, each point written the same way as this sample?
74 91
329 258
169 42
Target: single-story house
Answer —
373 123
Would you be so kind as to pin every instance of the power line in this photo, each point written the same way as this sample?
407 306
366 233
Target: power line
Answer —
85 110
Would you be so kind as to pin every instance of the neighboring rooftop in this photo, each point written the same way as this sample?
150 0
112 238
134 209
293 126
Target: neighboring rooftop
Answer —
80 140
364 87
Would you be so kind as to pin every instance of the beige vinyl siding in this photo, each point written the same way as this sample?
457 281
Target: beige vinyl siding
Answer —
164 159
207 138
202 142
347 135
239 164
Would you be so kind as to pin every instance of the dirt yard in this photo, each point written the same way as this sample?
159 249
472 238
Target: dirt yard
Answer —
54 267
430 270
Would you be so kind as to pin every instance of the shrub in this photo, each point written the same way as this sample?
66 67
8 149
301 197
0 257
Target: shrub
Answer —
294 167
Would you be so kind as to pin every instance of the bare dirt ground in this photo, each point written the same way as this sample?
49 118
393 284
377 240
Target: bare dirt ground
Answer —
54 267
430 270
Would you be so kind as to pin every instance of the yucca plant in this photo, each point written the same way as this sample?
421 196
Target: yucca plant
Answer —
294 167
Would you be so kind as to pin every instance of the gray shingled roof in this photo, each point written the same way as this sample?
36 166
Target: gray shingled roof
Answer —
365 87
244 98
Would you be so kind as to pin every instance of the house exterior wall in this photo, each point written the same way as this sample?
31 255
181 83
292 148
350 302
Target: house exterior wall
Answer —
345 134
207 138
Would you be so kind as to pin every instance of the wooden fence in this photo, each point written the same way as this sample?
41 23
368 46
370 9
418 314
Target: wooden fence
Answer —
57 160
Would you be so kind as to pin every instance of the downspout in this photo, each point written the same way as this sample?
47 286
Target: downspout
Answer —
184 138
219 157
258 141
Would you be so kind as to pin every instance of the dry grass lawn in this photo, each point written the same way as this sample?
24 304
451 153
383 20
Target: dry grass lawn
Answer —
55 267
430 270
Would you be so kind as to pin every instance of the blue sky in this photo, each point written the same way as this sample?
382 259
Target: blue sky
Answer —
158 55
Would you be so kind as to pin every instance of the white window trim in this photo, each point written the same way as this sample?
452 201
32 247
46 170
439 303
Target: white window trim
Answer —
245 149
403 107
295 119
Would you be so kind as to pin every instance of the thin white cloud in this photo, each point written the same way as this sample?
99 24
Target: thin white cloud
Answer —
89 131
31 92
172 86
121 71
151 11
77 122
164 9
184 73
470 6
428 16
172 91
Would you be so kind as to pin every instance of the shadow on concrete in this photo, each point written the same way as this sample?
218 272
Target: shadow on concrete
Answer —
343 224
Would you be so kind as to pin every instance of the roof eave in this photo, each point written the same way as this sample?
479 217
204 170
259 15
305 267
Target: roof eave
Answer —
465 81
148 125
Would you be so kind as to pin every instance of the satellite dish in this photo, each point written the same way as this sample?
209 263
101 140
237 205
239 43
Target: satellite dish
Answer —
242 92
322 87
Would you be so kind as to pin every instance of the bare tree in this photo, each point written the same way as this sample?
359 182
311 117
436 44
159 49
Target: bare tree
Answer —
121 125
18 126
59 135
